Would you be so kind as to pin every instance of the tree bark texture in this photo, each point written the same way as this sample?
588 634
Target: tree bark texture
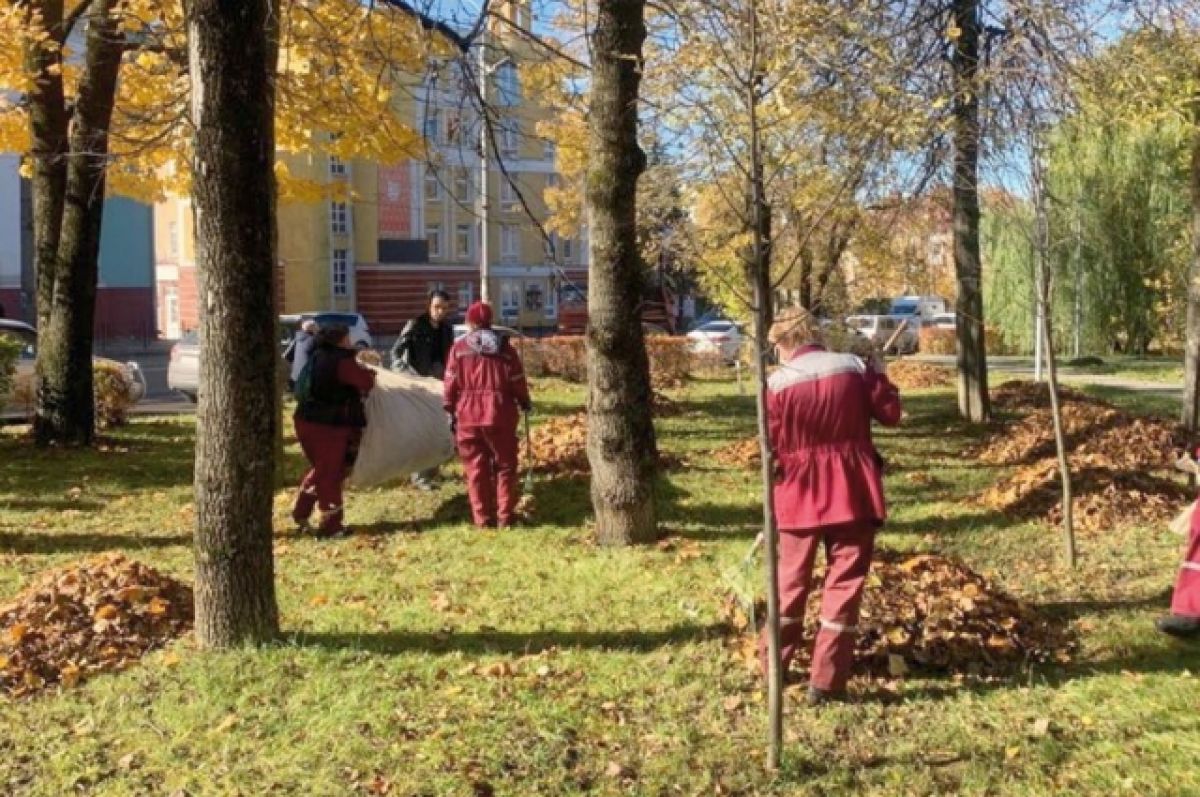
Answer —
972 350
231 48
621 445
66 404
1191 381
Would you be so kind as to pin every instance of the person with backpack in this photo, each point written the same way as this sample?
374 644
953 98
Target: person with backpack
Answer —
329 421
422 348
485 392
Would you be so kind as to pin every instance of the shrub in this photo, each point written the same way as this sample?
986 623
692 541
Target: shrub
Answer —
10 352
114 394
936 340
565 357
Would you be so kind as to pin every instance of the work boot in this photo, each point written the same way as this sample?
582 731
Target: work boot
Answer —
331 525
302 509
820 697
1179 626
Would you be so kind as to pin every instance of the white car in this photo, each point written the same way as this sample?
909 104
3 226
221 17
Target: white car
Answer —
19 406
720 336
881 331
943 321
360 333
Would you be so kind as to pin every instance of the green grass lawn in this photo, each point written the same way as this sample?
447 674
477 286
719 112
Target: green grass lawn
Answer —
1167 370
422 657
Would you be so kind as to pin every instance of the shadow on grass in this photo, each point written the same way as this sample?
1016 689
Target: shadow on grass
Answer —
85 542
495 641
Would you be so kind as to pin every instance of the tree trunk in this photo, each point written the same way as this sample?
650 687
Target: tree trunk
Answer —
48 131
66 402
764 316
972 351
231 48
1191 380
621 444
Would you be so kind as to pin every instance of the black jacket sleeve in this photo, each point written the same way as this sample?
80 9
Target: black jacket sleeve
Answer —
401 347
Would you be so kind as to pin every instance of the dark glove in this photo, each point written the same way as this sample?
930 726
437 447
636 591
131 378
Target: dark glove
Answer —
527 409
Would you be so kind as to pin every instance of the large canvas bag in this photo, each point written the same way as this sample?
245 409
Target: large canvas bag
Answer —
407 430
1182 524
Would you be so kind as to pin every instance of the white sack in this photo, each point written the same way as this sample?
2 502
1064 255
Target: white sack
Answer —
406 432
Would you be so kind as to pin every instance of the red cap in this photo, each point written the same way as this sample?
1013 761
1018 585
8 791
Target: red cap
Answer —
480 315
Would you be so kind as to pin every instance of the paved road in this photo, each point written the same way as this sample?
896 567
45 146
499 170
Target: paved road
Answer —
1023 367
159 400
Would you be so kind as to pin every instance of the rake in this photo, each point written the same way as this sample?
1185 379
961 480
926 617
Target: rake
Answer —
740 582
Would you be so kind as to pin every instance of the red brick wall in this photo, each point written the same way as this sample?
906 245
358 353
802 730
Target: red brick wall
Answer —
125 313
390 296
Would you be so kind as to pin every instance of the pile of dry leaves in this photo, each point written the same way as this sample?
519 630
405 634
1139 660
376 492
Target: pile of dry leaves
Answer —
559 446
1120 463
912 375
933 614
745 454
98 616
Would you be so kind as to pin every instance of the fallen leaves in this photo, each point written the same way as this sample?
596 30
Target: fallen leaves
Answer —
932 613
559 447
744 454
101 615
911 375
1120 463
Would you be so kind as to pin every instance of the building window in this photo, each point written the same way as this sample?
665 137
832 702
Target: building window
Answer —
567 246
534 297
510 241
510 299
462 241
337 166
453 128
341 272
173 235
433 235
508 84
466 294
510 137
549 150
432 125
433 184
508 188
339 218
552 180
462 185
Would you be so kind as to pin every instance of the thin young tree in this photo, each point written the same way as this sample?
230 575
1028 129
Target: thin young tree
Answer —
232 49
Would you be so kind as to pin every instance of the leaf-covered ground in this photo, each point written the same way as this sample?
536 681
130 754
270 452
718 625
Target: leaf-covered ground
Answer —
422 657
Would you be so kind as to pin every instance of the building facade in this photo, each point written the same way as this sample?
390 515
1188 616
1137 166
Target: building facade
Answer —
125 305
395 231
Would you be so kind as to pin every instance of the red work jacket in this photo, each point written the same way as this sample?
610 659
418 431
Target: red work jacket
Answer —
819 408
485 381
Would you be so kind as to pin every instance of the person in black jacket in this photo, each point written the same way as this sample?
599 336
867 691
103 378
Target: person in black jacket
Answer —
329 421
423 347
425 341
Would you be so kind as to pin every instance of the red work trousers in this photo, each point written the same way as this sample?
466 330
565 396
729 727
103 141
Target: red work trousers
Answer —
329 450
848 551
1186 600
489 455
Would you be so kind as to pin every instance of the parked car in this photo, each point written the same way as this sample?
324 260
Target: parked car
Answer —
720 336
360 333
183 370
19 405
879 329
944 321
924 307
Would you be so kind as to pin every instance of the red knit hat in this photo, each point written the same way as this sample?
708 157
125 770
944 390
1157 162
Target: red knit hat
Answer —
480 315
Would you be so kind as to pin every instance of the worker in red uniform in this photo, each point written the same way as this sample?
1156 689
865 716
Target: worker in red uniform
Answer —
828 489
329 422
485 392
1184 619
